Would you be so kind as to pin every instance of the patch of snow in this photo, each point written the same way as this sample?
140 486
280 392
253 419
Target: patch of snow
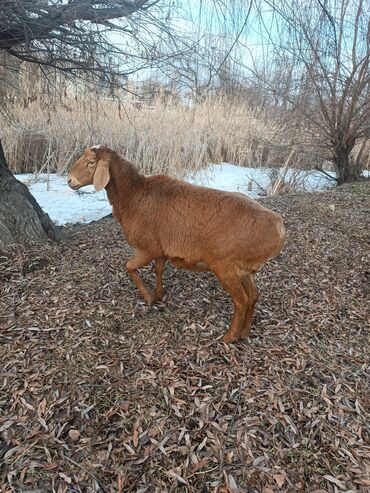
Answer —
63 204
252 181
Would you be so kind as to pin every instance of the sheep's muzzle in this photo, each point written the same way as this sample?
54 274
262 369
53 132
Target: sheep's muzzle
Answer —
72 183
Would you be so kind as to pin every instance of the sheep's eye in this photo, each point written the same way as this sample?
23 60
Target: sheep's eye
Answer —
90 163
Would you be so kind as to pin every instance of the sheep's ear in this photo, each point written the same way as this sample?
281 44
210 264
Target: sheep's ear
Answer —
101 176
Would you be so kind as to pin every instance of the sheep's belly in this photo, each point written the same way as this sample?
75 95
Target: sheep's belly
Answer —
181 263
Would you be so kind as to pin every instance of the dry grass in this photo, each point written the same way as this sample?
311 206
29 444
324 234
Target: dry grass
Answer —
46 122
98 393
165 137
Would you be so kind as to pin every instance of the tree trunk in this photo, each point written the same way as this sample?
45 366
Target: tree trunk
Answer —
21 218
346 169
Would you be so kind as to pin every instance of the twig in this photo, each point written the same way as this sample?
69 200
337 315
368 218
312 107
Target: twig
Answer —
326 174
85 470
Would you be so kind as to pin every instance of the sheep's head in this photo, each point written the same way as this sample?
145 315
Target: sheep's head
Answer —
91 169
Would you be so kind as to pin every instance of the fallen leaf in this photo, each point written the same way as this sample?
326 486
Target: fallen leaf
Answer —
174 475
340 484
74 435
66 478
280 479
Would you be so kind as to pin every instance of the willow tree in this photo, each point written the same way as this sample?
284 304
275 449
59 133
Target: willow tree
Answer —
325 48
74 36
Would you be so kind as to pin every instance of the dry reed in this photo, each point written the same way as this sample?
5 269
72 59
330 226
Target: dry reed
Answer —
165 137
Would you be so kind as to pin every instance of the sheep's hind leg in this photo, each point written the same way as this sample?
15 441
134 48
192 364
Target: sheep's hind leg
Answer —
240 299
249 286
140 259
159 268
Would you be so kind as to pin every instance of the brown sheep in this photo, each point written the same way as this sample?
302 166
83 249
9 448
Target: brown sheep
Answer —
193 227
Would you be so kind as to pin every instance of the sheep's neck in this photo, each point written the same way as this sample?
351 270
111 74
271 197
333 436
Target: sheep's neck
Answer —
123 187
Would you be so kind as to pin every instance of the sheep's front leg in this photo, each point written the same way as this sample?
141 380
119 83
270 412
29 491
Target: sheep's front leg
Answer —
140 259
159 268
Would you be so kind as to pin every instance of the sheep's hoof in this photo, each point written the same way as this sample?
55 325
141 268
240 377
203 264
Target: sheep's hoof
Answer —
149 300
228 338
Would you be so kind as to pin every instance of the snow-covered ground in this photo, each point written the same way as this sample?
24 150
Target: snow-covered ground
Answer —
63 204
253 181
67 206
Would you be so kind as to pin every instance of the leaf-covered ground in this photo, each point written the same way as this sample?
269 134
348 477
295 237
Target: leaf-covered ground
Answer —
100 393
